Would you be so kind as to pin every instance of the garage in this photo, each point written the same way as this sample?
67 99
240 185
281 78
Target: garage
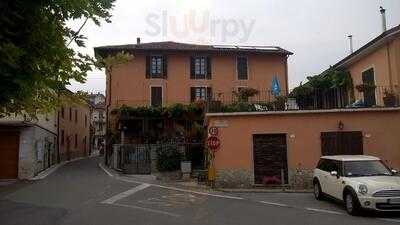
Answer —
9 148
270 159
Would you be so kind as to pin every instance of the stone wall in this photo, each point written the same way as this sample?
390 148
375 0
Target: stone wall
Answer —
33 153
235 178
300 178
26 165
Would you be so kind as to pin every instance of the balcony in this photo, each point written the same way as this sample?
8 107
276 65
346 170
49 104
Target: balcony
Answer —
333 98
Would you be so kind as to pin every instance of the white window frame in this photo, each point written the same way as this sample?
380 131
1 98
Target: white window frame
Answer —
200 76
202 86
162 94
156 75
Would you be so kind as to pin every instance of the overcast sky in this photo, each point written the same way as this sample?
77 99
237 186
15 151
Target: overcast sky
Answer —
316 31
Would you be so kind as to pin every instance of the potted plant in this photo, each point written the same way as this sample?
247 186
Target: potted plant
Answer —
389 98
244 94
280 103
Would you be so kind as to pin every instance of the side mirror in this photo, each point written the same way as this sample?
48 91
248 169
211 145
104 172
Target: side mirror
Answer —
334 173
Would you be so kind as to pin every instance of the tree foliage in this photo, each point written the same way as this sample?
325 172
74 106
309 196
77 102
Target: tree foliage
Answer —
323 82
36 60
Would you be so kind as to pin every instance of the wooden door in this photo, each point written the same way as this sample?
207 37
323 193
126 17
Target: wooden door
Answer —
9 152
156 96
368 78
270 159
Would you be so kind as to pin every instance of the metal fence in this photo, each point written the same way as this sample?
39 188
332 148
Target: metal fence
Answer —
142 158
312 99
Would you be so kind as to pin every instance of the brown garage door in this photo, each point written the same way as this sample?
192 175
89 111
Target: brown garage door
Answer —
270 158
9 146
342 143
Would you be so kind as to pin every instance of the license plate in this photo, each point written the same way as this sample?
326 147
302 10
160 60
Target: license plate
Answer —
394 201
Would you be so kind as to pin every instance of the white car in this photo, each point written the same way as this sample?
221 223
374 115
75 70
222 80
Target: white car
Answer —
361 182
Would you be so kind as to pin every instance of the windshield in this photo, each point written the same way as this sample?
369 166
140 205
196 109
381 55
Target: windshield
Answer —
365 168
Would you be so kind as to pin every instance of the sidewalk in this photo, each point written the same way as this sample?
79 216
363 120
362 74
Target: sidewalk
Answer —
54 168
193 185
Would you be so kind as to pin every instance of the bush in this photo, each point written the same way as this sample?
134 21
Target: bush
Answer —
168 159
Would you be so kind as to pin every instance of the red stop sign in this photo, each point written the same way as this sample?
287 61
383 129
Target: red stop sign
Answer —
213 143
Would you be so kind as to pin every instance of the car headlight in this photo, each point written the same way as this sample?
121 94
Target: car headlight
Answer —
362 189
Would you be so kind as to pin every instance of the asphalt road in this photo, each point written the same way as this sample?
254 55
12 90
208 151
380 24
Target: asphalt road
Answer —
82 193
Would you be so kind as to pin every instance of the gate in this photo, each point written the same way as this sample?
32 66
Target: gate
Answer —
136 159
270 159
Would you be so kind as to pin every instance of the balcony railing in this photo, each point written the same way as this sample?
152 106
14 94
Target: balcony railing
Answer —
315 99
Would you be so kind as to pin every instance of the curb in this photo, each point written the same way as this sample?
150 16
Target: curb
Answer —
53 169
113 173
264 191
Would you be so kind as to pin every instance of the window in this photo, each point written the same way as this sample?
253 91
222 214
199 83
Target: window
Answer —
241 65
62 137
70 114
76 140
200 93
156 66
366 168
368 78
328 165
76 116
200 67
62 112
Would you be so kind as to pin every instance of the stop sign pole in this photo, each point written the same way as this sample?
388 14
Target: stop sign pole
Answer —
213 144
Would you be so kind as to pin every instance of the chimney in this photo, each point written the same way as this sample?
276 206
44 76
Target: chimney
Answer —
351 43
138 40
383 13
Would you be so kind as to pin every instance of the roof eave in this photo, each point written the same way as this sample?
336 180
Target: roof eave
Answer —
367 48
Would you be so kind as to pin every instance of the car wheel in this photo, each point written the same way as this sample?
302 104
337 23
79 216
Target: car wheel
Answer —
317 191
352 204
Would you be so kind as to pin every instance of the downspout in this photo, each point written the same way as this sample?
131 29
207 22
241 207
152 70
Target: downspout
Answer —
390 67
58 131
107 113
286 75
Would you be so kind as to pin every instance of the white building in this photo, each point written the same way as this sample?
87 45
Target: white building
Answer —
27 146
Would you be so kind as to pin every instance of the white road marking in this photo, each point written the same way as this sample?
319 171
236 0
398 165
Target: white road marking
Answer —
274 203
147 209
324 211
105 170
125 194
127 180
391 220
197 192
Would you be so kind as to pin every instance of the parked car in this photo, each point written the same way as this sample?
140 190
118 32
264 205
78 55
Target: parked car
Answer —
361 182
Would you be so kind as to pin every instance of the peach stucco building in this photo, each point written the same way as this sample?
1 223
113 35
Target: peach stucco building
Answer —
305 136
377 62
73 129
259 148
164 73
